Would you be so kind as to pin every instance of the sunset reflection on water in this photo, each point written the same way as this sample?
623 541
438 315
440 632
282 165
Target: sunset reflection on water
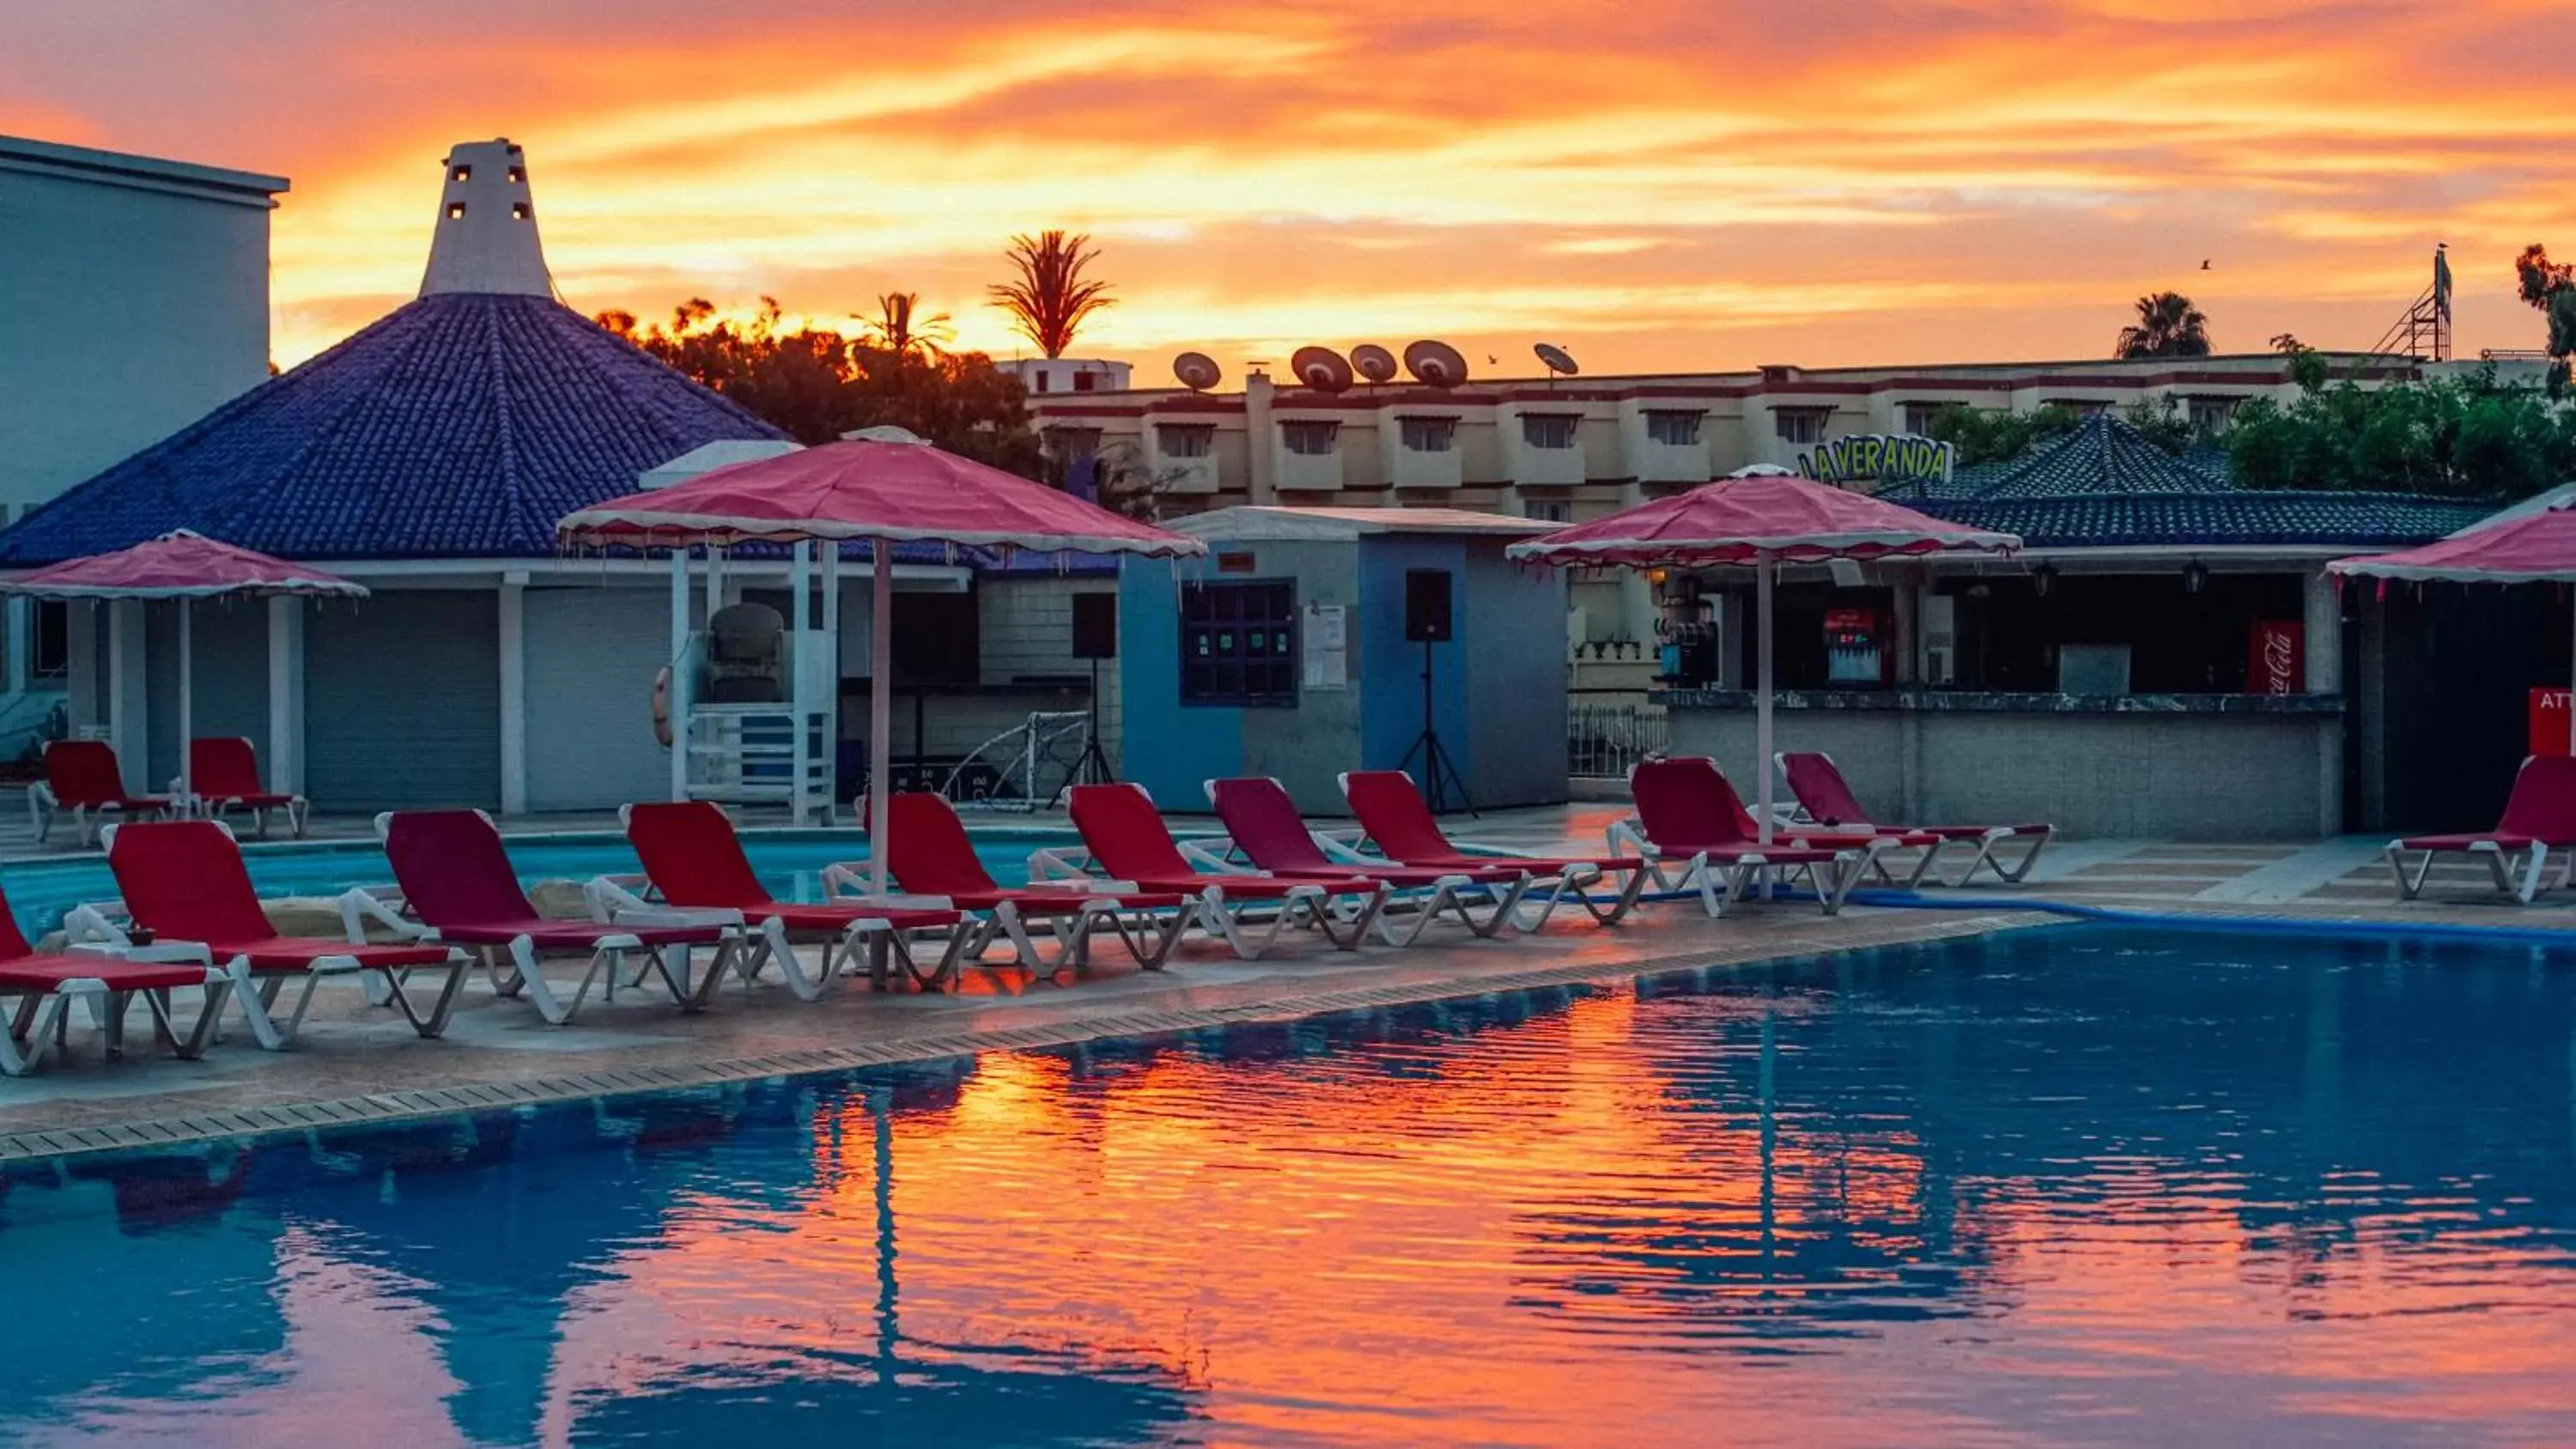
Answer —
2074 1184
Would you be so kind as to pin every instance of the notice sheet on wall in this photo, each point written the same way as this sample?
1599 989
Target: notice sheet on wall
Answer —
1327 647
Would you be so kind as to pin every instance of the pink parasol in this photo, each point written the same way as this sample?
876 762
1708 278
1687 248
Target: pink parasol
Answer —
184 566
874 488
179 565
887 486
2534 545
1759 518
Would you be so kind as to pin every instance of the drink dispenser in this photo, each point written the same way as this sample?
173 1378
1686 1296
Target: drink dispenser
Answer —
1854 651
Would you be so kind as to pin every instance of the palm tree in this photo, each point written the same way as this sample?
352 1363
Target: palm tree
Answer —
899 326
1051 300
2167 326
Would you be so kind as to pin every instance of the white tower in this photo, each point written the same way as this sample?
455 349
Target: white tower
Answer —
486 239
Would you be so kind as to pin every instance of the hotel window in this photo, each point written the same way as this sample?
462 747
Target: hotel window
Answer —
2082 407
519 211
1549 430
1672 428
461 173
1919 416
456 211
1550 510
1239 643
1307 438
1185 440
1072 444
2212 414
1085 381
1801 427
1428 435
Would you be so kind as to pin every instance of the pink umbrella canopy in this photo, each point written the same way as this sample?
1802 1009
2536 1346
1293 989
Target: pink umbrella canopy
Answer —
1760 518
874 488
180 565
1740 520
885 485
2534 548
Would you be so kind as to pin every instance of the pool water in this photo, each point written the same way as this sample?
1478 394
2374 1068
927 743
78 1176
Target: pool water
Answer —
790 863
2080 1184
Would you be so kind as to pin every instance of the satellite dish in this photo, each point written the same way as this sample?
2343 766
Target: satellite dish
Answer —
1197 371
1373 362
1320 368
1556 358
1435 364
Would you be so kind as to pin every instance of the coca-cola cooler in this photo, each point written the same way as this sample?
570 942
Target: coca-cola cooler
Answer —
2276 661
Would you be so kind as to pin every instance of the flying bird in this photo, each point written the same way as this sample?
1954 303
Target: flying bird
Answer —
2204 264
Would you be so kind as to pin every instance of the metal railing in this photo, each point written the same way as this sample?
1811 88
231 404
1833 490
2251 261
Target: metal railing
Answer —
1602 741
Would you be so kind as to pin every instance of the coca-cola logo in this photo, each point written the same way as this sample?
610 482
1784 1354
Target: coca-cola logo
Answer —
2280 661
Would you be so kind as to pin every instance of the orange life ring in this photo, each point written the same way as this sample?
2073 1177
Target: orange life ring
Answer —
662 707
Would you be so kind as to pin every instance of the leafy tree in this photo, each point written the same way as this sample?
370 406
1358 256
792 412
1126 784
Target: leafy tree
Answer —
2163 423
1986 435
1051 299
2550 287
2470 438
900 327
815 384
2168 325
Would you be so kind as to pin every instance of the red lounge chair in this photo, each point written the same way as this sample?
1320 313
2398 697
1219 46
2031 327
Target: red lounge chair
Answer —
1826 799
694 861
185 884
1263 823
1686 811
223 774
45 986
930 855
82 780
1128 840
456 879
2540 816
1393 818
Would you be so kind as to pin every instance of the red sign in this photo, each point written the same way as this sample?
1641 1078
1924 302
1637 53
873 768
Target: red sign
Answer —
2276 662
2549 712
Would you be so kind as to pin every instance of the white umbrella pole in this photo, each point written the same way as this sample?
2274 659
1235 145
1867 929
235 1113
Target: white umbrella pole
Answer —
1763 569
187 690
880 709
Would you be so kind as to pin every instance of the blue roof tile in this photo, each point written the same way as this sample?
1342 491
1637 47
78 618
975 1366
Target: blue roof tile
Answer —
2105 485
459 426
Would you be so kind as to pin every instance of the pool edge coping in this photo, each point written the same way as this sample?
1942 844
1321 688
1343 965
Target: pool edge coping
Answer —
275 1120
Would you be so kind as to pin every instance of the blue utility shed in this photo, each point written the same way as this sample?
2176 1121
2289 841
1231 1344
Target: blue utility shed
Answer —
1284 652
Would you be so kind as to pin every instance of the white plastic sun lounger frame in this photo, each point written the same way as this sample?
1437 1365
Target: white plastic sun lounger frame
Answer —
1721 883
1304 904
608 954
46 1014
1531 906
297 810
88 825
1097 903
106 925
1987 841
1403 912
2517 873
873 944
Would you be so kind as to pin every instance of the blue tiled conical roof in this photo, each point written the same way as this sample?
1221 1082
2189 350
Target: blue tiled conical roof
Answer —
460 426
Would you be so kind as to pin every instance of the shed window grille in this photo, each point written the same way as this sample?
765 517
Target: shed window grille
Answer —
1239 642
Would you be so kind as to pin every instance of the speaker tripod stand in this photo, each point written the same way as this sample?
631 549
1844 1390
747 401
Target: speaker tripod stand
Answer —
1439 772
1091 767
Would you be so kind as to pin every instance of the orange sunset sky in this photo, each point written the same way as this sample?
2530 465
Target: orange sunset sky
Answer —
1657 184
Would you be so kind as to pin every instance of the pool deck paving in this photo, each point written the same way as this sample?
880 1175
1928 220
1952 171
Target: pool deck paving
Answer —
358 1064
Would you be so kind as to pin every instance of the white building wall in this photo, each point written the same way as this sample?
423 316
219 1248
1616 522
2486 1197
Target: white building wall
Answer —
591 657
147 282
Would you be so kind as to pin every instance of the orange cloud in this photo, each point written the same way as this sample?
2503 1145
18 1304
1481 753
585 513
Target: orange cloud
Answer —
1663 184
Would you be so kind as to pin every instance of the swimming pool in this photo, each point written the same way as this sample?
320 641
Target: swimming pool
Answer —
2079 1183
790 863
